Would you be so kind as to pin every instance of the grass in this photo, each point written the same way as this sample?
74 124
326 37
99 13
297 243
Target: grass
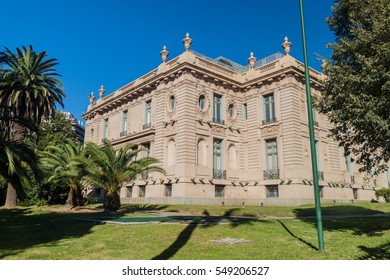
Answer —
43 234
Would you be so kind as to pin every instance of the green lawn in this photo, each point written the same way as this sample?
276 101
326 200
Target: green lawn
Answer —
35 233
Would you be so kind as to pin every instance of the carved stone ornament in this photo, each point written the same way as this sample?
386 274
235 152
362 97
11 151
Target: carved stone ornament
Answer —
171 104
218 130
269 130
91 98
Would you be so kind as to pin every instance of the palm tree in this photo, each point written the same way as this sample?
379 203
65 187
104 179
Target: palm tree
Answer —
29 86
17 163
66 163
113 168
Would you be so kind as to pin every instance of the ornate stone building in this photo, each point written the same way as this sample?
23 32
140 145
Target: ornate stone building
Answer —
226 133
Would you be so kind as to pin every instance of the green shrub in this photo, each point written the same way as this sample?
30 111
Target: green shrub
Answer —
385 193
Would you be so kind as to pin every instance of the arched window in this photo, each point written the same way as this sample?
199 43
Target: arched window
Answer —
232 157
171 153
202 153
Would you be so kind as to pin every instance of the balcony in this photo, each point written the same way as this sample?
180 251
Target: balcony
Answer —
268 121
218 120
147 125
321 175
104 139
123 133
271 174
219 174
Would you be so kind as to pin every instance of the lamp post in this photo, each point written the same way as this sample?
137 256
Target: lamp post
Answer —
312 138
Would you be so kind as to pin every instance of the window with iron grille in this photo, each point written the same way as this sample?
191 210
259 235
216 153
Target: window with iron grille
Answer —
168 190
355 193
271 160
141 191
129 192
272 191
219 191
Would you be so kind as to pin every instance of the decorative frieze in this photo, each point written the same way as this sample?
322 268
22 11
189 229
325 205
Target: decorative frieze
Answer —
269 130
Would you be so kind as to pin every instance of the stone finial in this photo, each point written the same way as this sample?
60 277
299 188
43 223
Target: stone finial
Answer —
101 91
91 98
252 61
164 54
286 45
187 41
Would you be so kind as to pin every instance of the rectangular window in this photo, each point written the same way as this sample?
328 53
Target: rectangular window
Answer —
105 129
355 193
129 192
218 109
218 172
318 155
245 111
168 190
269 109
219 191
141 191
271 160
314 113
148 114
124 124
272 191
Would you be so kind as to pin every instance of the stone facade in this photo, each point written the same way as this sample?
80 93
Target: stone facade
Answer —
226 133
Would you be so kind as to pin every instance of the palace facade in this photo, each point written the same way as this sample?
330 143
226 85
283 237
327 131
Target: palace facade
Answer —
227 133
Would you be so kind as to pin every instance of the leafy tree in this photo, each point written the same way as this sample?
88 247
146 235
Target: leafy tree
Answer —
66 163
111 169
357 88
30 88
385 193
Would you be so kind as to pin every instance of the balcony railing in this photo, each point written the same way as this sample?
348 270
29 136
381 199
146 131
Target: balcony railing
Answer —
123 133
321 175
219 174
218 120
267 121
104 138
271 174
147 125
352 179
145 176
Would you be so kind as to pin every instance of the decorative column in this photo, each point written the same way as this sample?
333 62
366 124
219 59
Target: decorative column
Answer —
101 91
164 54
187 41
286 46
252 61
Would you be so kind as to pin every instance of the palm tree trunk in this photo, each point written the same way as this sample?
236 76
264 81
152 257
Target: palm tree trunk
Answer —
11 197
18 135
112 202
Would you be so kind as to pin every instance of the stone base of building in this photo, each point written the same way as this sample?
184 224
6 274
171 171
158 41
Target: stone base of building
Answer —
229 195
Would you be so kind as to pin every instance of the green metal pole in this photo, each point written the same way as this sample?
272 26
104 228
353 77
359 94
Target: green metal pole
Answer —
312 138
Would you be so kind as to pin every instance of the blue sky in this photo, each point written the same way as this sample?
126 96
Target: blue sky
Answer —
114 42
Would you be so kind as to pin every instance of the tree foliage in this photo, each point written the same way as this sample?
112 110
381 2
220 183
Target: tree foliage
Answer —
111 169
66 163
357 88
29 92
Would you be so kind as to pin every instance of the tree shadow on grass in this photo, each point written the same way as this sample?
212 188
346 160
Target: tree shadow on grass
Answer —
23 228
381 252
203 221
358 219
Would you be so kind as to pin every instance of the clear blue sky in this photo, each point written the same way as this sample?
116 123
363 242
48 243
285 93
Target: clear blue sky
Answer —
114 42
